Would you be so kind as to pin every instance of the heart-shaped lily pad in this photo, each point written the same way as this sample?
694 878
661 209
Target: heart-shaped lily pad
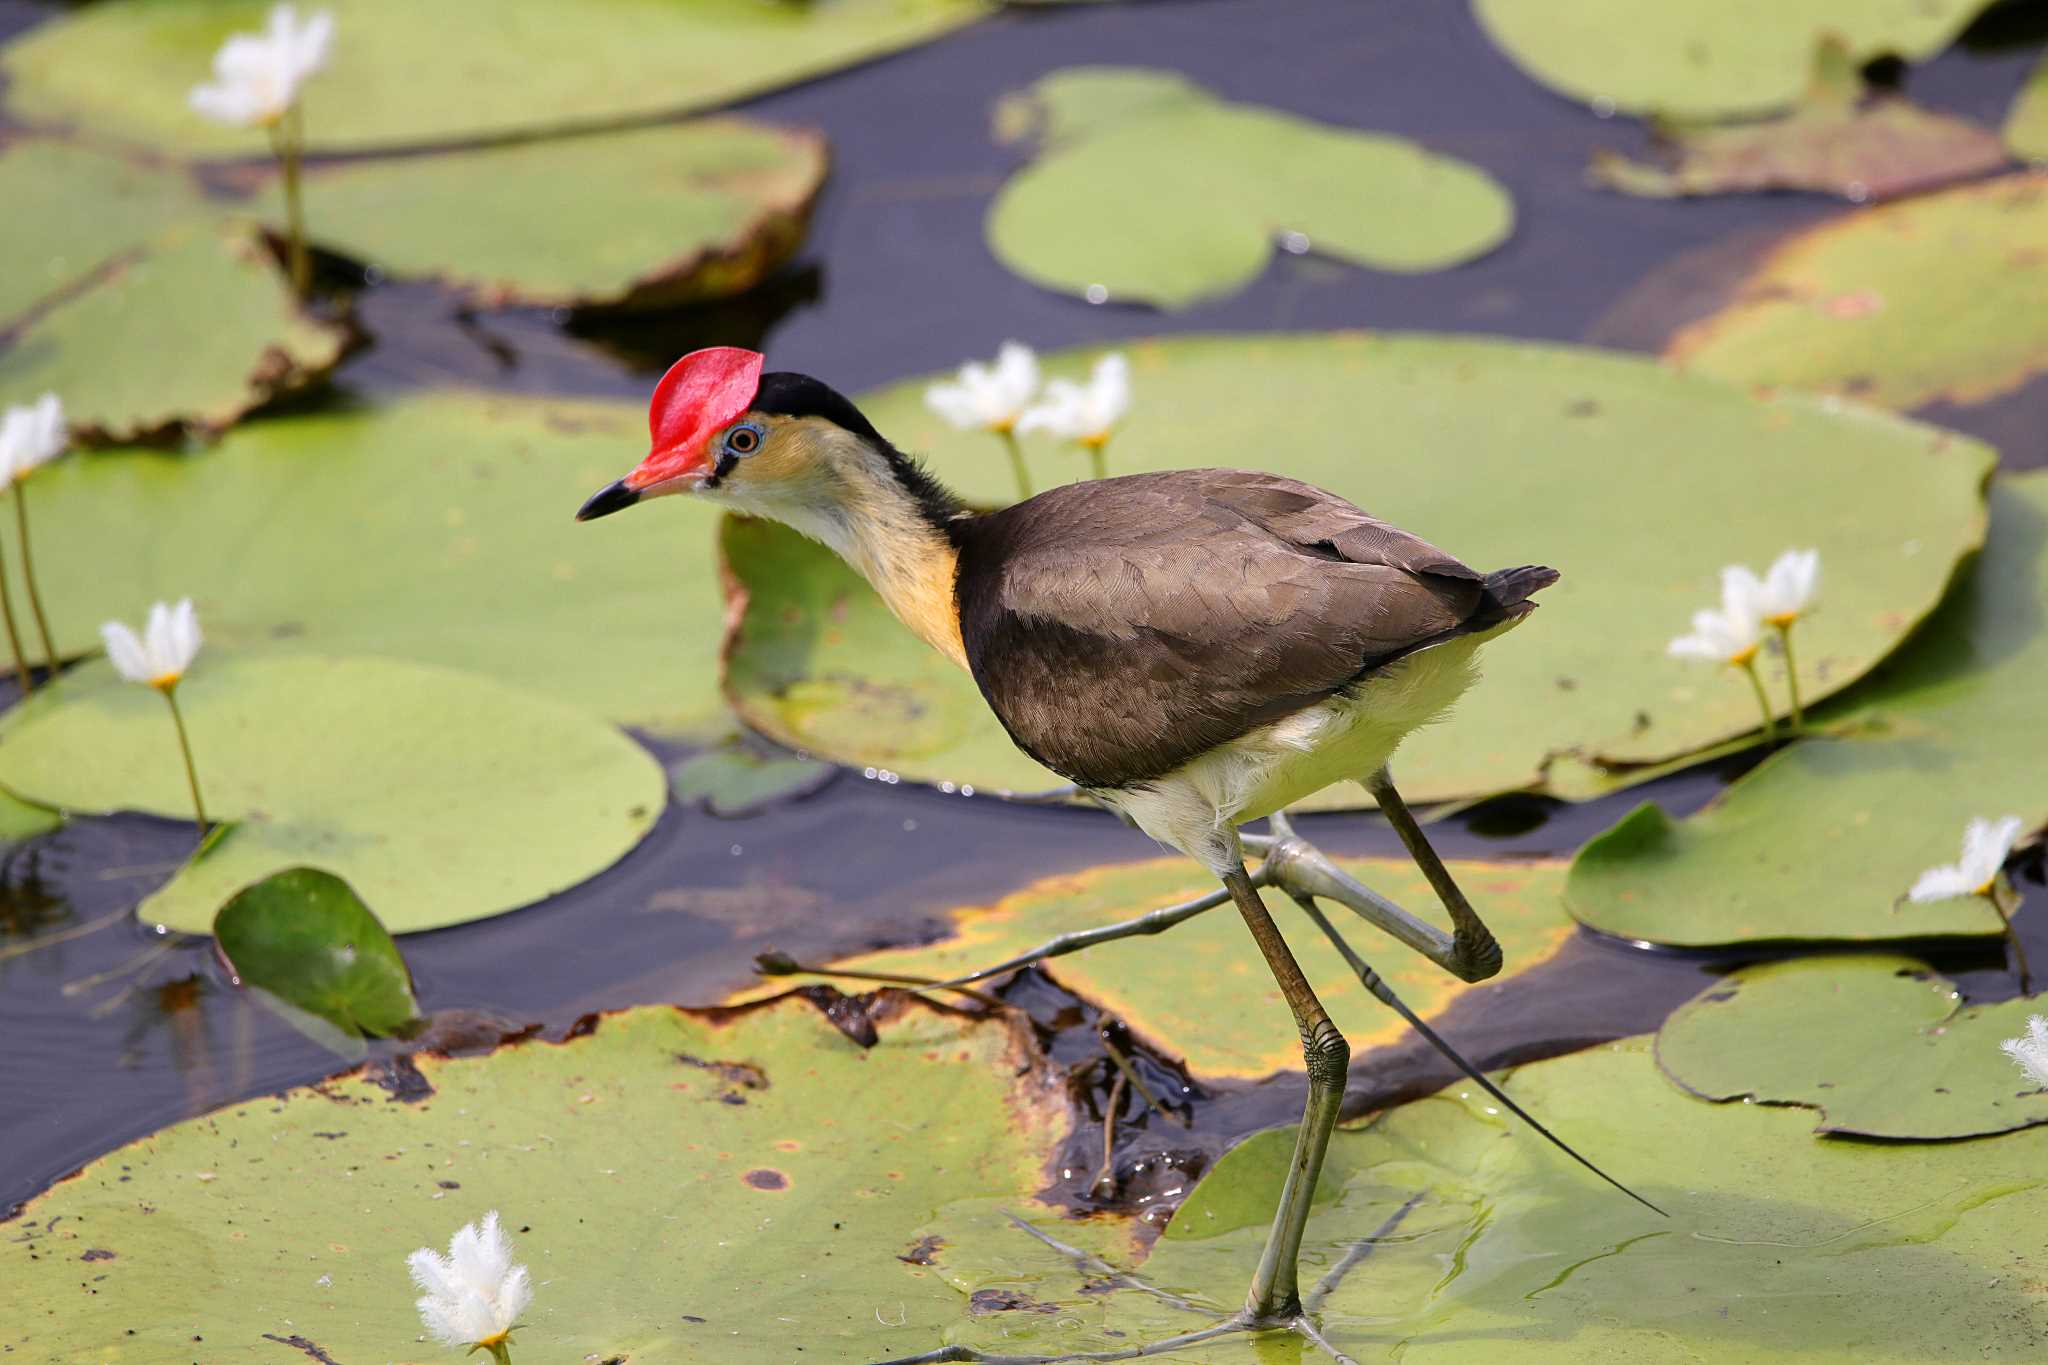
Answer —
796 1168
1707 58
305 942
440 796
401 73
1534 454
1202 992
1879 1045
2026 127
1943 296
654 217
112 261
437 527
1149 189
1821 840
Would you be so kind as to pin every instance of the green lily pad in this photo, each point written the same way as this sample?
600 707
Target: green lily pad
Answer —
796 1168
738 778
399 777
1879 1045
1838 141
121 347
1202 992
657 217
436 527
302 939
1139 198
1464 1239
403 74
1544 448
1820 840
2026 127
1707 58
1944 296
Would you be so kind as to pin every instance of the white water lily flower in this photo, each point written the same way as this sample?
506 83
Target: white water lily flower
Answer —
2031 1052
164 650
1985 846
31 436
991 397
474 1295
1787 588
1084 412
257 76
1729 634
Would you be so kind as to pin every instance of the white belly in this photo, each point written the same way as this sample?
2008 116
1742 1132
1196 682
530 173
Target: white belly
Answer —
1197 807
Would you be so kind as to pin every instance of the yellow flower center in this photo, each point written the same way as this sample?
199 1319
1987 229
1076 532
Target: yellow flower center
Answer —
164 682
1741 657
1783 620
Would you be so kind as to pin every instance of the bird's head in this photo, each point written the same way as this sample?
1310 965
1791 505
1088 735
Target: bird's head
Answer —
777 445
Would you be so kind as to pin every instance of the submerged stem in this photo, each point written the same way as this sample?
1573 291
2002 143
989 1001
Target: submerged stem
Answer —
1017 465
28 573
1791 673
185 748
1763 699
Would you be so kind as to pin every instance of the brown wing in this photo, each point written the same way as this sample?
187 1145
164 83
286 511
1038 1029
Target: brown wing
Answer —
1121 627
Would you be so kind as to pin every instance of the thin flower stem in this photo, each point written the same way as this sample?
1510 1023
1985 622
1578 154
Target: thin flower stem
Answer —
1098 456
185 747
28 573
1791 674
287 140
1017 466
501 1352
2012 940
28 683
1763 700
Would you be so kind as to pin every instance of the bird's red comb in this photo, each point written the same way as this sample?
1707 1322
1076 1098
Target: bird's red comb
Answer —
701 393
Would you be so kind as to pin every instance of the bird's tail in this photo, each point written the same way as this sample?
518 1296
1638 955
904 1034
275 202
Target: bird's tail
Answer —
1507 589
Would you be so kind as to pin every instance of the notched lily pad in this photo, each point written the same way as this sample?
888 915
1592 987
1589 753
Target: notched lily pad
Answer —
1943 296
1821 840
1879 1045
1202 992
1545 444
656 217
805 1163
394 775
1151 190
1838 141
1707 58
304 942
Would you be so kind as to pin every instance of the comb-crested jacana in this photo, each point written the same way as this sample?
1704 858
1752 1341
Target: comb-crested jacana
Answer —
1193 649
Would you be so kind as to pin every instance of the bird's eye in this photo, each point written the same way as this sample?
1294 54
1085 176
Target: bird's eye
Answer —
744 439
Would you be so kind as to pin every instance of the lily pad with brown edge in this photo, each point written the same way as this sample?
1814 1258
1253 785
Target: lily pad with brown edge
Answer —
1446 1233
1201 992
1821 840
1171 201
303 942
1838 141
2026 127
435 527
1939 297
724 1186
1707 58
1637 483
656 217
121 347
1879 1045
396 776
121 70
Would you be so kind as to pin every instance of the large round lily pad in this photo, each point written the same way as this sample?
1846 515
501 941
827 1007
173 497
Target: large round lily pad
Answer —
402 73
659 216
1456 1237
438 527
1821 840
711 1188
439 796
1151 190
1707 58
1202 992
1637 483
1943 296
1878 1044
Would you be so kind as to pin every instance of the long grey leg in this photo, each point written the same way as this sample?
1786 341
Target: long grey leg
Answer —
1476 954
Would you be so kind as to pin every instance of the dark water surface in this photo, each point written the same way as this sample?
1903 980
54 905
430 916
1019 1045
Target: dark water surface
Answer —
116 1033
